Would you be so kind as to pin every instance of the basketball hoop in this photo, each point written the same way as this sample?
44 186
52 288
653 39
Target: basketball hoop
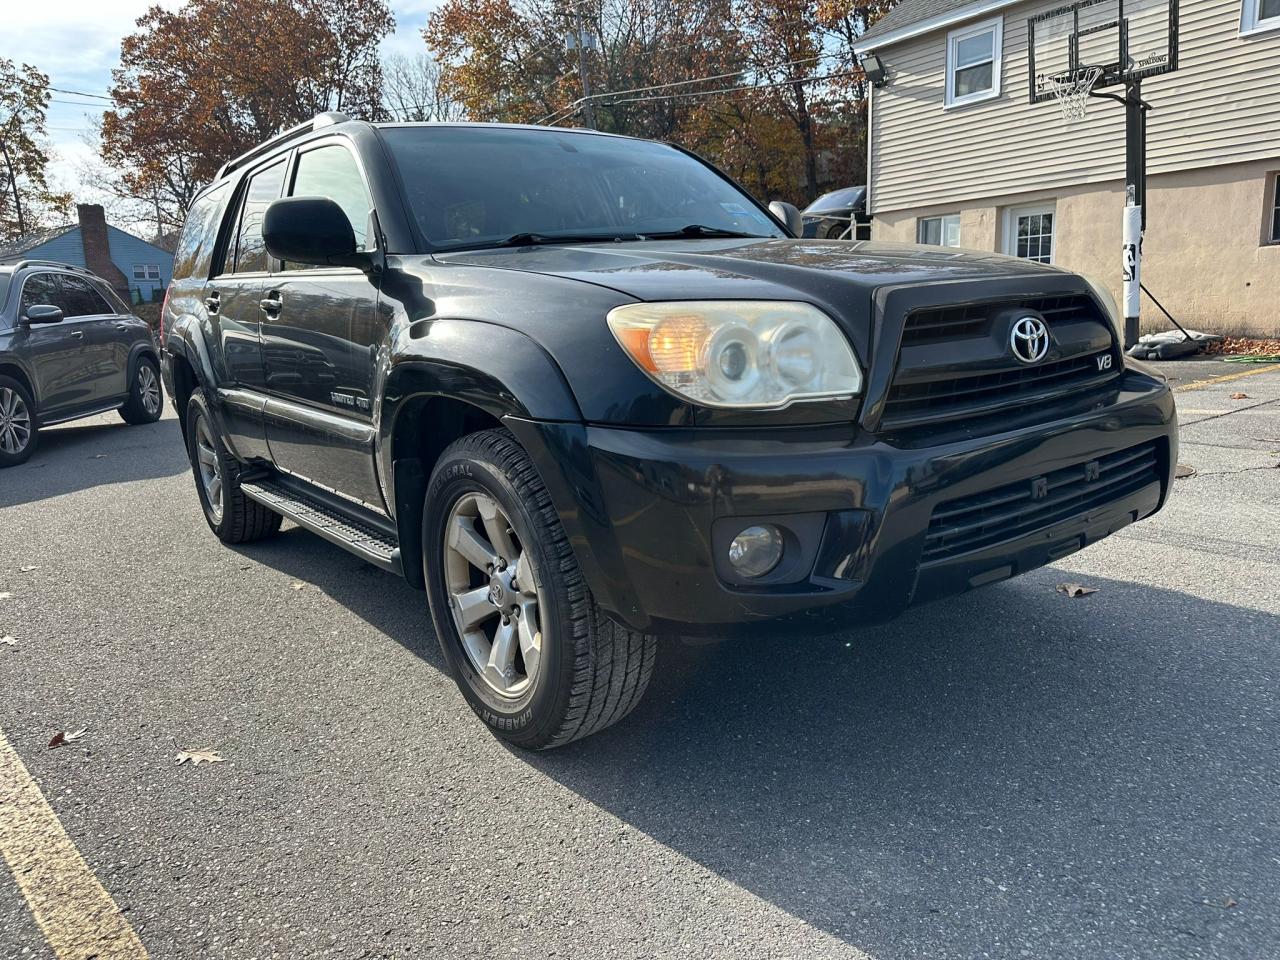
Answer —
1072 90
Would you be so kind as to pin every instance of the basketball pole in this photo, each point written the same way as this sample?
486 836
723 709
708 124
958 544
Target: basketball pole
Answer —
1135 206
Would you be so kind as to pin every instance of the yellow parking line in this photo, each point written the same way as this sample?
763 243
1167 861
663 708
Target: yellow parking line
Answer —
74 911
1227 377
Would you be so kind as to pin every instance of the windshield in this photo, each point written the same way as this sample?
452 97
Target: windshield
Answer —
476 186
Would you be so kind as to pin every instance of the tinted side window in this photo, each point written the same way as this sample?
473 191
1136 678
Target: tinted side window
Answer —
332 172
79 299
200 235
264 186
41 288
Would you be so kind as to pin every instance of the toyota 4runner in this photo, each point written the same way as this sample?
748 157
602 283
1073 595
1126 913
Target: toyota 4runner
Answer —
584 390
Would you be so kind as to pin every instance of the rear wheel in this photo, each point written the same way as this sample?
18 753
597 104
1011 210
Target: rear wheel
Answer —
529 648
232 516
145 403
18 429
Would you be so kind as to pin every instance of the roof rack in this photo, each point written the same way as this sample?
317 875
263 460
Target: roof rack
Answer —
23 264
320 120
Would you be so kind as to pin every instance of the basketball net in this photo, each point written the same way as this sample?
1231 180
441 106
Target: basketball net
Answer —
1072 91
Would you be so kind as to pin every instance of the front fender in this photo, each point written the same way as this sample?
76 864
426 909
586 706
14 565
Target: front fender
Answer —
497 369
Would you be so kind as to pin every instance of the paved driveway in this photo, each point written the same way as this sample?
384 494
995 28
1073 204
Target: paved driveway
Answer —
1009 774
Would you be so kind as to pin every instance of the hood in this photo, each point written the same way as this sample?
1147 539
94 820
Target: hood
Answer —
815 270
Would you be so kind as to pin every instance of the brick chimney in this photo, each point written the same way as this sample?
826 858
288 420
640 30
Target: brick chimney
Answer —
97 247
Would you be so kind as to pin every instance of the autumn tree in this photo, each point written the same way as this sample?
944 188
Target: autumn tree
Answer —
25 197
201 84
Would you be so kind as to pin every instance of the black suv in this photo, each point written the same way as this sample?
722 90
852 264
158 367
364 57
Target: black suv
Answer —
584 390
69 348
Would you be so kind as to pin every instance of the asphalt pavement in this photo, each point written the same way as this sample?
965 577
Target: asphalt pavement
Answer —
1012 773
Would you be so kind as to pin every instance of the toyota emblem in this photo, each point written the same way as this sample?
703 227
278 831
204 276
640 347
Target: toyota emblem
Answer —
1029 339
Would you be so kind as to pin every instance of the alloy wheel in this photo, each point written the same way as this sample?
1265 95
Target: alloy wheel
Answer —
148 389
209 468
15 422
493 595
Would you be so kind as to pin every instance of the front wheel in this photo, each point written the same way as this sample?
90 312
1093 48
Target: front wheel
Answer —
529 648
18 429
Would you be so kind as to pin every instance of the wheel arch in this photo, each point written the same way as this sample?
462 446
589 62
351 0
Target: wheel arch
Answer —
456 377
11 368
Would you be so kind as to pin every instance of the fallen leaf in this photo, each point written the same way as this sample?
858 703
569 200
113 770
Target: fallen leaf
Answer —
198 757
99 456
1239 396
1230 902
61 738
1075 589
6 596
30 567
1182 470
297 585
7 639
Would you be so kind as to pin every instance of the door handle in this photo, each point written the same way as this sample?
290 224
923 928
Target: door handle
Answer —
212 302
271 304
77 334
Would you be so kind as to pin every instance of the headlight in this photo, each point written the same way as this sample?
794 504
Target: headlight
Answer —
739 353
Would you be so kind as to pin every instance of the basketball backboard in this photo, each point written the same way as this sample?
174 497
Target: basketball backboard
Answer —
1124 39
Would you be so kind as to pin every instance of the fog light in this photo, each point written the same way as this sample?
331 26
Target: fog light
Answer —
756 550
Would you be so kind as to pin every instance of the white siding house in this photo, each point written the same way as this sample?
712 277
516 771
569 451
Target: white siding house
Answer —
959 155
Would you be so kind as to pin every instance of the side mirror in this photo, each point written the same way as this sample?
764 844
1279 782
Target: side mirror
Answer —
43 313
311 230
788 214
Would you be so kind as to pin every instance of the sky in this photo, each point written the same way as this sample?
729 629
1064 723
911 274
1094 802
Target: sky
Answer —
79 45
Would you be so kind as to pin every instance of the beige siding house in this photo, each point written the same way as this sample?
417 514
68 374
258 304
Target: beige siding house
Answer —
959 156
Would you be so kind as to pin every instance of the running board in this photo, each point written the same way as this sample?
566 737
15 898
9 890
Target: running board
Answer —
337 526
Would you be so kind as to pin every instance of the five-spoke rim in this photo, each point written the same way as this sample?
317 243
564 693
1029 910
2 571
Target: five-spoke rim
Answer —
148 389
493 595
15 422
209 467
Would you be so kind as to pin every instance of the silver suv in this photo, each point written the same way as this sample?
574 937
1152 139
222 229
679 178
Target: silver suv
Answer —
69 348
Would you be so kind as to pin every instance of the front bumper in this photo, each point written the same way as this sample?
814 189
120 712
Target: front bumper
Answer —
646 509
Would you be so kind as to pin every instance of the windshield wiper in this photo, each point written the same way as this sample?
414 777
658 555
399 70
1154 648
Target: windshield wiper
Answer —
701 230
534 239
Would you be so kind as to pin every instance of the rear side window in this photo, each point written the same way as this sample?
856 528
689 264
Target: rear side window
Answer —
332 172
263 187
200 235
80 299
41 289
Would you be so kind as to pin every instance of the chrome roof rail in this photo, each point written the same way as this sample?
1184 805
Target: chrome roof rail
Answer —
319 121
23 264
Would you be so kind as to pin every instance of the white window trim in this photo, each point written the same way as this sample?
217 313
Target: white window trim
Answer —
942 228
1251 24
994 26
1011 215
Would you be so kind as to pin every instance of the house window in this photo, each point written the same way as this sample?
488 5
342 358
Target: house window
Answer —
1275 209
1029 233
1260 15
139 271
973 62
941 231
146 271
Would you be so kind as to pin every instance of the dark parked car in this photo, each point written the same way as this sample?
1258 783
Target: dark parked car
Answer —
69 348
584 390
832 214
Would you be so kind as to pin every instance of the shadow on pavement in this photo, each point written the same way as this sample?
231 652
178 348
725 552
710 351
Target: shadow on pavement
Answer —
92 453
1007 774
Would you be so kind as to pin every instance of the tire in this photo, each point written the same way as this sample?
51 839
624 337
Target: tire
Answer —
590 671
232 516
19 426
146 397
835 230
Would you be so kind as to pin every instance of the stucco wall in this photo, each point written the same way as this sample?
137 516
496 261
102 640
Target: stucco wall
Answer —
1204 255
